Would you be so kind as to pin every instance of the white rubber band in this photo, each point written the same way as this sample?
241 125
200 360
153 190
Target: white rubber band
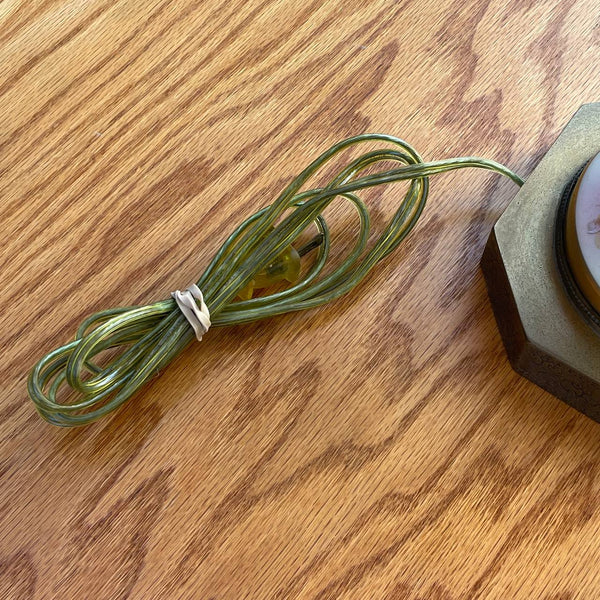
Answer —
197 316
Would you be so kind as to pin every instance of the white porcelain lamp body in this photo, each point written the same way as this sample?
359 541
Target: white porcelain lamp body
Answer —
583 232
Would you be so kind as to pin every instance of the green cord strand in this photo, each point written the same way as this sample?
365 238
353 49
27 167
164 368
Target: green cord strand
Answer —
153 335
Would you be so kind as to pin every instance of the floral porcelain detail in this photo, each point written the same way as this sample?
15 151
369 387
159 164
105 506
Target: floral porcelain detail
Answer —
587 217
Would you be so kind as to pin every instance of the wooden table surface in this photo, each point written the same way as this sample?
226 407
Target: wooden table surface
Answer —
379 447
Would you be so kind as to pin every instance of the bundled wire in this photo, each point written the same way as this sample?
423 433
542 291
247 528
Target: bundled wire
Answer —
151 336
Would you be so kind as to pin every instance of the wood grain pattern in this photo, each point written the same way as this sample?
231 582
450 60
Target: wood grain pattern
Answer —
380 447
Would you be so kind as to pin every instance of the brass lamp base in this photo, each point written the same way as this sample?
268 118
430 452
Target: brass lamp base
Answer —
547 338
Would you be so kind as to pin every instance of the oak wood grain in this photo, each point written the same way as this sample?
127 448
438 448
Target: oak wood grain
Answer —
379 447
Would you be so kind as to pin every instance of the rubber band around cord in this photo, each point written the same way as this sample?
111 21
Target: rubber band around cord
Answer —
198 316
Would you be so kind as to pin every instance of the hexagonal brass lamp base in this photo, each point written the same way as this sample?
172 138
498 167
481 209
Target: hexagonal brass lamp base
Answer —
547 340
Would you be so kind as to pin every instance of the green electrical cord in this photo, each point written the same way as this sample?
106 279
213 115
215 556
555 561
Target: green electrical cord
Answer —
153 335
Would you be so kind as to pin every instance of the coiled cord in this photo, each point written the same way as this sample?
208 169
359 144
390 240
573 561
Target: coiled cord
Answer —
154 334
